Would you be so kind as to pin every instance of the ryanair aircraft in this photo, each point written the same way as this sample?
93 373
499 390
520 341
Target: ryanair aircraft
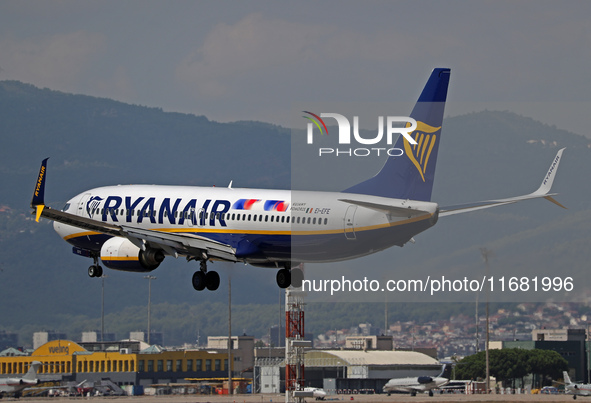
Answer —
133 228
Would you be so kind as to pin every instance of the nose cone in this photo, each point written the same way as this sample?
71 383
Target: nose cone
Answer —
62 229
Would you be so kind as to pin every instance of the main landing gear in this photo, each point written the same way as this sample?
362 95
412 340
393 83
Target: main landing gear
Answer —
95 270
203 279
287 276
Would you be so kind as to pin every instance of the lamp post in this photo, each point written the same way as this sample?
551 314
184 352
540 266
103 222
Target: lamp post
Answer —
149 278
230 388
485 255
477 317
588 357
103 277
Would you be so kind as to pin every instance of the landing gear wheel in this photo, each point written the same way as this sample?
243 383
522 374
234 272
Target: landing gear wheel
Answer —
212 280
95 271
283 278
297 276
199 281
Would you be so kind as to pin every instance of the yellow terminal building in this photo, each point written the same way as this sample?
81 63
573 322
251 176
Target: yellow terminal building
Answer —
123 362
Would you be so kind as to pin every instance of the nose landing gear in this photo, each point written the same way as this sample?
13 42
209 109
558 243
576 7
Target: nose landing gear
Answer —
95 270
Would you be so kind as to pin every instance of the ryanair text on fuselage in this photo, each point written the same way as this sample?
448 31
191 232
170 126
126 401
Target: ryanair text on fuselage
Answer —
171 211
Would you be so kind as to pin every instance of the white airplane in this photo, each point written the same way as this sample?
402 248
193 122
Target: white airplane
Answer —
16 385
134 227
318 393
577 389
414 385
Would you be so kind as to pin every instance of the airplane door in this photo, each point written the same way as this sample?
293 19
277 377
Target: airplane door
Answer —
82 204
200 219
349 223
191 217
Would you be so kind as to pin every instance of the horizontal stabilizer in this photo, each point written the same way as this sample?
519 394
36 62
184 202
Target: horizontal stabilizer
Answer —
388 209
542 192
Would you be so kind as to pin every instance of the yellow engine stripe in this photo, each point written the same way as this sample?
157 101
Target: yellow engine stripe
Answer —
120 258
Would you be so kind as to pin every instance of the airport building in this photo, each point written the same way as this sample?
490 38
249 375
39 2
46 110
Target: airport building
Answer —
242 353
571 344
123 362
367 366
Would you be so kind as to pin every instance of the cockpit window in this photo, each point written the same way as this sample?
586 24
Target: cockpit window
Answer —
66 207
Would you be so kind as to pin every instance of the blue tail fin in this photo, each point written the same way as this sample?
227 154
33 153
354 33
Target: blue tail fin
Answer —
411 175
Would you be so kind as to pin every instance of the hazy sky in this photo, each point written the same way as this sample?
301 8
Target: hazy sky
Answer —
252 60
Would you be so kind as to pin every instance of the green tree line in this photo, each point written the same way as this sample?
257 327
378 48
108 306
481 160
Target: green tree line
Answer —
511 364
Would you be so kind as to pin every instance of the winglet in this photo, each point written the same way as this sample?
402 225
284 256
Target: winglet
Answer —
553 200
546 185
38 200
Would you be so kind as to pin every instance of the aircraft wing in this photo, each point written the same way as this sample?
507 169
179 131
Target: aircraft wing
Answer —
172 243
185 244
542 192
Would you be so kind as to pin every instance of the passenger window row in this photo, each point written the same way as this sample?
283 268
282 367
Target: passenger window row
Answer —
218 216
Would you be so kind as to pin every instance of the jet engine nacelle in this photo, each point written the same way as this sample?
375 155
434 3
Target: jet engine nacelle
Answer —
425 379
120 254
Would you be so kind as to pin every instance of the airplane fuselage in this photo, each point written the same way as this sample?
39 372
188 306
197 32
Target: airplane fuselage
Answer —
263 226
413 385
582 389
14 385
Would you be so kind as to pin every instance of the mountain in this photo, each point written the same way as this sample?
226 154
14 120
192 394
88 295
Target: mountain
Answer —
94 142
